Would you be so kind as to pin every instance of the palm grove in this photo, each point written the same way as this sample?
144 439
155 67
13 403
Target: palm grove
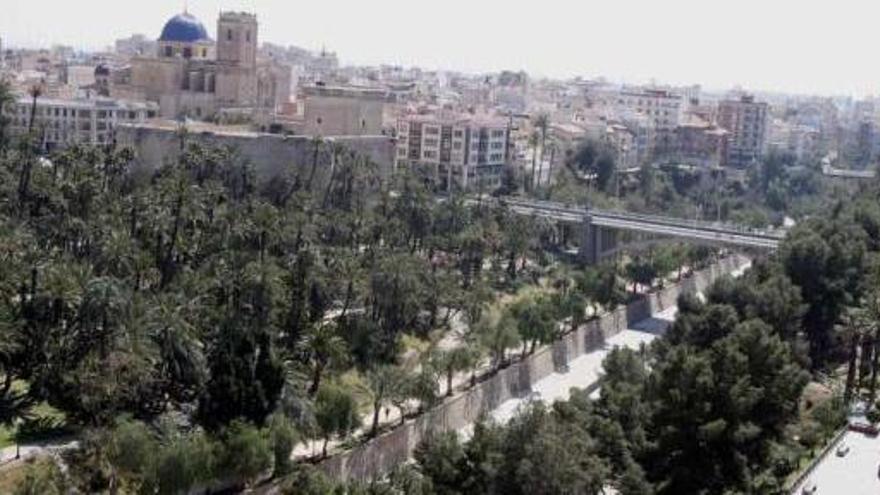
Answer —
190 321
192 324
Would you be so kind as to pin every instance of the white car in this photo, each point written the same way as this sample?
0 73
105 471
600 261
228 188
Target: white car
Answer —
842 450
810 488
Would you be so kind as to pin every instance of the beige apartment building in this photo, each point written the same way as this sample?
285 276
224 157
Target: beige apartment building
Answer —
746 120
465 152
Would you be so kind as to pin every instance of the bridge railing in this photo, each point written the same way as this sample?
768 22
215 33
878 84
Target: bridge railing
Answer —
716 227
695 224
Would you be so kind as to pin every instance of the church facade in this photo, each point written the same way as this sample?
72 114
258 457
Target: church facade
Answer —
192 75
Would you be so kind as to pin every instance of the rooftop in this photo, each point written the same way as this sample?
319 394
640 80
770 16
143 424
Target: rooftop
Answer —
363 92
184 28
89 103
452 118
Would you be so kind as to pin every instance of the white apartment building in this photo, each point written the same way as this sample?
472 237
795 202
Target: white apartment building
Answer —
61 122
464 151
661 108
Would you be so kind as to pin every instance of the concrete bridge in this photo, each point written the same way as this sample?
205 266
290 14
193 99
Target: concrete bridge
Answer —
600 227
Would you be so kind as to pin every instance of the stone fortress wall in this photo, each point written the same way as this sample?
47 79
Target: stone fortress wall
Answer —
380 455
271 155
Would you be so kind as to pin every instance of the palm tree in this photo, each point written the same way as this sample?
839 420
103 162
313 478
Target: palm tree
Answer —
6 98
554 147
534 140
317 141
852 329
337 150
35 92
324 347
542 122
104 305
24 179
383 381
15 406
872 308
180 358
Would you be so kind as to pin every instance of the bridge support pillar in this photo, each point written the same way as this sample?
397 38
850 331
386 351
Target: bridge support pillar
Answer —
591 242
595 241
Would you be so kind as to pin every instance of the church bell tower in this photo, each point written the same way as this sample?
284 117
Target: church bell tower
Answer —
237 39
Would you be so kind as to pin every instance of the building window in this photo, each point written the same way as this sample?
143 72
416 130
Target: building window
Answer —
247 36
187 52
204 53
168 51
320 121
228 35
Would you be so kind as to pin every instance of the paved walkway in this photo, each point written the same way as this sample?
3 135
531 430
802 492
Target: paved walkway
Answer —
7 454
583 371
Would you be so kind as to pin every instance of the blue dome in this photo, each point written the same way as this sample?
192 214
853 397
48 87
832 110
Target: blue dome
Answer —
184 28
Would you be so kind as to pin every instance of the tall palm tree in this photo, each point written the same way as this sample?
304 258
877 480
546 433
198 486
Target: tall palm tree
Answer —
534 140
180 357
317 142
554 146
337 150
6 98
15 405
872 307
24 179
104 304
324 346
852 328
383 381
35 92
542 122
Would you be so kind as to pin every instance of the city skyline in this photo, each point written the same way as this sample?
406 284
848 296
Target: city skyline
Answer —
679 42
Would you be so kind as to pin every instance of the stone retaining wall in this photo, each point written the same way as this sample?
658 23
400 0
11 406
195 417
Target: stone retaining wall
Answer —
270 155
380 455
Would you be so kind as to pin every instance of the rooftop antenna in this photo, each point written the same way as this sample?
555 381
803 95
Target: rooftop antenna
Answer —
186 6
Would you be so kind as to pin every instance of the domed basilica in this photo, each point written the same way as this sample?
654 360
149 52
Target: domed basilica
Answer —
195 76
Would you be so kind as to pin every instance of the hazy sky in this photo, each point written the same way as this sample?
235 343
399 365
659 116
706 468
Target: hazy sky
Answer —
805 46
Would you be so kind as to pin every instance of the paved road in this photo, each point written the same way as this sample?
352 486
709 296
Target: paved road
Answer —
854 474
